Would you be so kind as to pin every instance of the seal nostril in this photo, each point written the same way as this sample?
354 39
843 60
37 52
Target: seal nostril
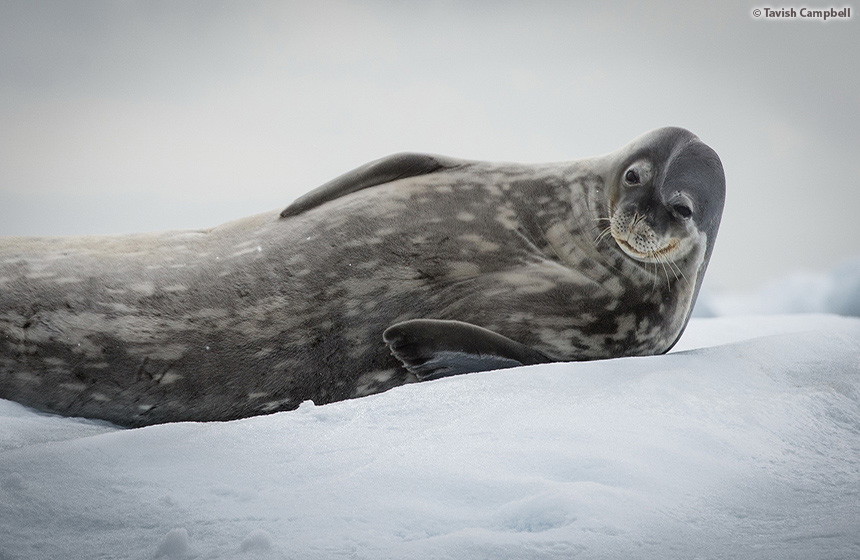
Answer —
682 210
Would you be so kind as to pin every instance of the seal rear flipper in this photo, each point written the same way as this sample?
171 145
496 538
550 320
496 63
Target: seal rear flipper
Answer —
431 348
381 171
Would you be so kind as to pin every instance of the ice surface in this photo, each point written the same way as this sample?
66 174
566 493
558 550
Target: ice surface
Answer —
743 443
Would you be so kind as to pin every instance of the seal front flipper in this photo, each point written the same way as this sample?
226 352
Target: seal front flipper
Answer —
432 348
385 170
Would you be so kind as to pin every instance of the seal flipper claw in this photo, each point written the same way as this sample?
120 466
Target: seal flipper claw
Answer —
432 348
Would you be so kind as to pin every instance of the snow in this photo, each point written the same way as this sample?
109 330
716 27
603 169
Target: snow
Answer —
175 544
836 292
743 442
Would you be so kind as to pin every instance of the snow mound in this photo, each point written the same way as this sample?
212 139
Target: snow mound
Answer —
174 545
843 298
744 443
257 540
837 292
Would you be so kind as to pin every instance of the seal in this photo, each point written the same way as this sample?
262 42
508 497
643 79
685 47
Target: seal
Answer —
412 267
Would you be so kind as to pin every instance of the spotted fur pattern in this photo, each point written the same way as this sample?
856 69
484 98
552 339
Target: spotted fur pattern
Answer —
260 314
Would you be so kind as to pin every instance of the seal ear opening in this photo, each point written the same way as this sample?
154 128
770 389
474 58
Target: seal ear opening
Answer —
381 171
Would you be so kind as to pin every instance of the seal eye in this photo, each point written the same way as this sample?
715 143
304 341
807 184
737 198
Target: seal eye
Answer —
632 177
682 210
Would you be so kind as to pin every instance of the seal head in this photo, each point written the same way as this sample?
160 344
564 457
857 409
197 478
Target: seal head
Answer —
666 200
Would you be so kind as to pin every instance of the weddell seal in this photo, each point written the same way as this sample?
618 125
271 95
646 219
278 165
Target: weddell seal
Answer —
409 268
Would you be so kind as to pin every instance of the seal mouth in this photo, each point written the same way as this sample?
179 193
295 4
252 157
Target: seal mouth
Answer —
670 248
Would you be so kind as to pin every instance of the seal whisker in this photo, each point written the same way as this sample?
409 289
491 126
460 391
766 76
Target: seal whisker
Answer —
672 267
681 272
655 276
522 233
603 235
662 260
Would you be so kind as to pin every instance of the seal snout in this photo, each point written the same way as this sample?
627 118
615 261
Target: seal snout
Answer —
635 234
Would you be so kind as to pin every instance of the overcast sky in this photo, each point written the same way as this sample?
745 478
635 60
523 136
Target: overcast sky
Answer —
126 116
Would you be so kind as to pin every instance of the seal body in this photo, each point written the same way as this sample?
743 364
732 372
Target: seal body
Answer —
462 265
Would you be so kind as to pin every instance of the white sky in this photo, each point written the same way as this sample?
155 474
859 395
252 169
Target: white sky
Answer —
133 116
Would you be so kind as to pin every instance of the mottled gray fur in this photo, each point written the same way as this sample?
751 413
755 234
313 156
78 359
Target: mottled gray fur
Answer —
260 314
